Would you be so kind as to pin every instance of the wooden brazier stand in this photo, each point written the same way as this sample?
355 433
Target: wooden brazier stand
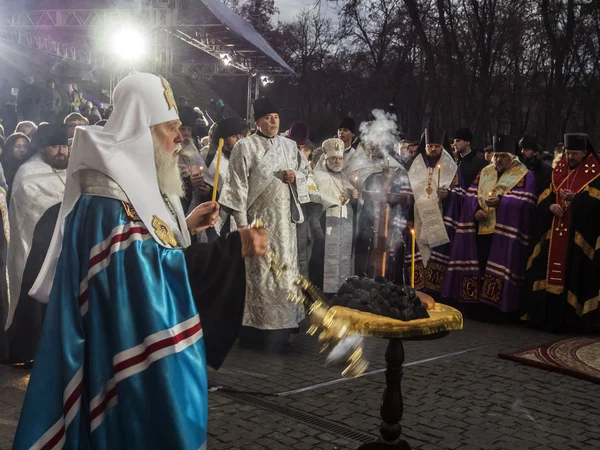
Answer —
442 320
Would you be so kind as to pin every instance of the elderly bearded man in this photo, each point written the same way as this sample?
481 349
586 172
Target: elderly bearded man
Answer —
562 273
121 362
338 199
268 181
491 245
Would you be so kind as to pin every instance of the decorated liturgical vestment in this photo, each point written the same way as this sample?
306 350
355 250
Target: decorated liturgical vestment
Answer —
488 258
435 220
123 322
255 190
36 196
335 192
563 270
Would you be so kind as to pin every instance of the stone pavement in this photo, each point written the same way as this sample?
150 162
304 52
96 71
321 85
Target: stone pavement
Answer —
457 394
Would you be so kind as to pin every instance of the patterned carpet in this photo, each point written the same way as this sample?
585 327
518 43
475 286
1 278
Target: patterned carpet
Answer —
578 357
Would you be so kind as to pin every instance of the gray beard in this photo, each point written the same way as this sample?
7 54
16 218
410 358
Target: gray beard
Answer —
188 148
167 171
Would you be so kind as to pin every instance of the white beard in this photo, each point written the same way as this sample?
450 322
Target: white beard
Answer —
167 171
335 168
188 148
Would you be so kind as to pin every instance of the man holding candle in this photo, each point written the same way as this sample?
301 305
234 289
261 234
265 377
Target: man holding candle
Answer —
268 181
562 272
231 130
489 252
135 311
332 255
191 165
438 198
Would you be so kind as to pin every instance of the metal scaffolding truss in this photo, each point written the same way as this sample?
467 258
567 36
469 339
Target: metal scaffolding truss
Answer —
55 48
209 26
85 18
201 70
214 47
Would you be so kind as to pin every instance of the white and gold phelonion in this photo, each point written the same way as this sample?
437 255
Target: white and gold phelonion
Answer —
337 334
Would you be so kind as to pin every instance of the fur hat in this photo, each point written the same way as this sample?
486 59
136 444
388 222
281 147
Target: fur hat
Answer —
262 107
464 134
348 123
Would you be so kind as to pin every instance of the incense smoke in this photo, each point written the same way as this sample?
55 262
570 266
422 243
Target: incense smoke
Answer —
381 132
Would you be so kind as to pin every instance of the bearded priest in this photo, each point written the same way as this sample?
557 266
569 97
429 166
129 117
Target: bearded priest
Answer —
490 249
438 193
562 272
37 192
338 199
122 359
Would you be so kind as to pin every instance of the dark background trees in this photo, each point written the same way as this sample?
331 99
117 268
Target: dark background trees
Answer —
509 66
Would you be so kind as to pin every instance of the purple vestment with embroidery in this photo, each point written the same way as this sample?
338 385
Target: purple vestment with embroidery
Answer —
505 270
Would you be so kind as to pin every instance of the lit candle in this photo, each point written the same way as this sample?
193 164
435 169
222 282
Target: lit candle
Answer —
412 264
385 233
439 174
216 183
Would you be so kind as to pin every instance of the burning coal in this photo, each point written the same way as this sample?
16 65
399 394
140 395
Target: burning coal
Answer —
381 297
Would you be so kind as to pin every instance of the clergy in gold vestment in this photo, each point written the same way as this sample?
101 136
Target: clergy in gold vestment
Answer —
268 181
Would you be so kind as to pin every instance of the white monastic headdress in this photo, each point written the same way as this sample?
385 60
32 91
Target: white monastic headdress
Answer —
123 150
333 147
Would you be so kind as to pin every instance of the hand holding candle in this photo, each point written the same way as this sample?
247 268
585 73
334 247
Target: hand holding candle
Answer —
492 201
216 184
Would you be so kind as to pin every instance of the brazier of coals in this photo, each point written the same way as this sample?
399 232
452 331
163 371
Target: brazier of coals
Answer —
380 296
404 318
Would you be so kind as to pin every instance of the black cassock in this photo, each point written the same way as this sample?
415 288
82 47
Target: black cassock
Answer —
24 333
563 272
217 275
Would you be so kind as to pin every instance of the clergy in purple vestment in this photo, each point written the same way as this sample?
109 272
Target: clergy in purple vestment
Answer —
439 194
490 249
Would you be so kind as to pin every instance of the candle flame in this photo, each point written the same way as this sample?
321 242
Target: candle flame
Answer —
412 231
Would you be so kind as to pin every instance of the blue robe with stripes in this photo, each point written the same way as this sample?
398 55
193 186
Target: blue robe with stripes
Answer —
121 362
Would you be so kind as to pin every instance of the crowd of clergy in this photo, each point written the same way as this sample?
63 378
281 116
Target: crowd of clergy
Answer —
505 227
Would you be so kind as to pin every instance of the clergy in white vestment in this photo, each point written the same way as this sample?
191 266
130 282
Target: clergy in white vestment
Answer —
194 173
338 199
37 193
231 130
268 181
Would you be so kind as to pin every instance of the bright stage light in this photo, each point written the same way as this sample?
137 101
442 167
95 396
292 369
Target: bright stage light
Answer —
266 80
226 58
129 44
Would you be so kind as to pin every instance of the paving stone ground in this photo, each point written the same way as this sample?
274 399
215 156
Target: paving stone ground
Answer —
457 394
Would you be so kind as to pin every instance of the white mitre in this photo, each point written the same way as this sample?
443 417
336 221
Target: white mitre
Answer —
122 150
333 147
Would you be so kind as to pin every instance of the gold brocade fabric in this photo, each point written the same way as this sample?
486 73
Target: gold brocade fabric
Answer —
441 318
